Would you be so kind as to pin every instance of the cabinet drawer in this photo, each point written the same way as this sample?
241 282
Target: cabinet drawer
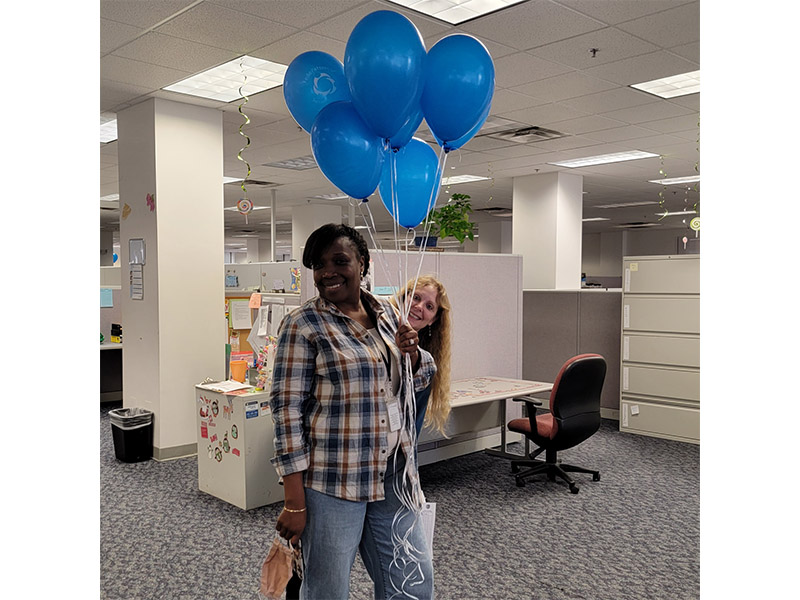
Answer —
662 276
662 350
674 422
668 315
681 384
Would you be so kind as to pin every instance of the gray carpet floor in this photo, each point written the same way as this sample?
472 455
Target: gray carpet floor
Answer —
635 534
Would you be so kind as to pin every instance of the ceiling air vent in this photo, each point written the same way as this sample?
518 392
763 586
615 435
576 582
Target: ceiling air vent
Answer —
496 211
526 135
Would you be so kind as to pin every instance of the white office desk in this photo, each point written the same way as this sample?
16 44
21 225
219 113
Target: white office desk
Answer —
479 390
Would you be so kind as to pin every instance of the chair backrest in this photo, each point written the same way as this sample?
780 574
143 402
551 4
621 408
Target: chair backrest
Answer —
575 399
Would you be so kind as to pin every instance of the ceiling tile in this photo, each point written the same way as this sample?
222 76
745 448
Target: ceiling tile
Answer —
611 45
531 24
674 27
618 11
287 49
218 26
141 14
521 68
137 73
566 86
113 35
505 101
115 95
587 124
621 134
643 68
546 113
648 112
295 13
174 53
603 102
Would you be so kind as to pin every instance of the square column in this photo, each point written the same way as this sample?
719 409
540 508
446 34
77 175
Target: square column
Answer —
173 314
547 230
306 218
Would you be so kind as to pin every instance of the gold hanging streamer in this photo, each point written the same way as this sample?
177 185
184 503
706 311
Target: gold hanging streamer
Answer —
491 183
661 198
244 203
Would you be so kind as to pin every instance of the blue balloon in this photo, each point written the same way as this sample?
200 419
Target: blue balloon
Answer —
348 153
407 131
418 178
459 84
311 82
384 63
456 144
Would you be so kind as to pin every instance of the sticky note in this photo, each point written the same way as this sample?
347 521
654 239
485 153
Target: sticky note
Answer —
255 301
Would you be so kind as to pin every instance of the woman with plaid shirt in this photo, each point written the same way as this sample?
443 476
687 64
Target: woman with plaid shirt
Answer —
337 401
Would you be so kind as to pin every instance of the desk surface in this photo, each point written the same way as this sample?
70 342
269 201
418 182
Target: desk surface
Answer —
476 390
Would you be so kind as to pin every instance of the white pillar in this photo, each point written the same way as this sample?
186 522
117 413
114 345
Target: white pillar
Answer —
174 337
106 248
547 230
306 218
495 237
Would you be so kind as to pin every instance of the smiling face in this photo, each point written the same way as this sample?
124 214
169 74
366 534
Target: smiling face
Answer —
337 276
424 307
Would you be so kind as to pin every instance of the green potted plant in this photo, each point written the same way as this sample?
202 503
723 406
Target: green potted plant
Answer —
452 219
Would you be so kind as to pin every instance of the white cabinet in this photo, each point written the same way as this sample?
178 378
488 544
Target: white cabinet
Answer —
660 367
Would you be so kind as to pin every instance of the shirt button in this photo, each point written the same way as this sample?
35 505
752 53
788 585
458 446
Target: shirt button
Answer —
383 451
383 421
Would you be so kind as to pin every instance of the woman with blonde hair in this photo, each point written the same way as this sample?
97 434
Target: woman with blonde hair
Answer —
429 315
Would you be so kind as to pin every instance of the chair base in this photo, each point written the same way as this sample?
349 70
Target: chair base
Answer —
552 467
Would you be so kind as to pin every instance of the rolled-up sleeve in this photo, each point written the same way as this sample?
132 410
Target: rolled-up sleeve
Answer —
425 372
292 378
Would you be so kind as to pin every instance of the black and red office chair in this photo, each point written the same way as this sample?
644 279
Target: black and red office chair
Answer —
573 418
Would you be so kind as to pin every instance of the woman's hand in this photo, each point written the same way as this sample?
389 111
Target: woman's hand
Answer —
407 341
292 520
290 526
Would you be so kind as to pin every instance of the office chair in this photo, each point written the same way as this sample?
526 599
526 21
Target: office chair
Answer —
574 417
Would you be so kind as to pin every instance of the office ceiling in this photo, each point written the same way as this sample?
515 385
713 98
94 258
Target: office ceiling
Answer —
547 76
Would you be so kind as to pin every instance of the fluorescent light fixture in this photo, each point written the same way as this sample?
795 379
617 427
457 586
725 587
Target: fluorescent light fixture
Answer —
110 198
246 73
456 179
627 204
675 214
595 219
603 159
456 11
331 197
676 180
301 163
226 180
672 87
108 127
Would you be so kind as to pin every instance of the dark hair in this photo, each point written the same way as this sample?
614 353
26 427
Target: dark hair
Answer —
322 238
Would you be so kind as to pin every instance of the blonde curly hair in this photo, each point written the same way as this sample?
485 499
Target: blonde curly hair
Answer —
435 338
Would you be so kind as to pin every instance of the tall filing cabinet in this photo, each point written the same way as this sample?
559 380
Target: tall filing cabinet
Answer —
660 378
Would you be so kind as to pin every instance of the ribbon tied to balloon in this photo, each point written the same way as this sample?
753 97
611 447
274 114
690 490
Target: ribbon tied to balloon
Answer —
362 113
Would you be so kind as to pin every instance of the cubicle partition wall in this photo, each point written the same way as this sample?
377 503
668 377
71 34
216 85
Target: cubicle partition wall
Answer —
485 291
561 324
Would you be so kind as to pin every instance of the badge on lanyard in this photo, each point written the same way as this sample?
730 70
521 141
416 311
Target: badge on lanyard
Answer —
393 407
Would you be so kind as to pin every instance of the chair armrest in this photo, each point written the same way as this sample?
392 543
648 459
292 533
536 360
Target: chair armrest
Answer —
534 401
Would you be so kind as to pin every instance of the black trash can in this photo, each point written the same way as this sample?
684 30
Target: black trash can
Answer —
132 429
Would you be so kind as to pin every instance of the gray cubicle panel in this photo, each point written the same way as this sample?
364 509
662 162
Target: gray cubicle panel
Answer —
558 325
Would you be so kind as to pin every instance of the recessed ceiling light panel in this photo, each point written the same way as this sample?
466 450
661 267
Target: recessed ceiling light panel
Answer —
676 180
455 179
108 127
301 163
248 74
456 11
603 159
672 87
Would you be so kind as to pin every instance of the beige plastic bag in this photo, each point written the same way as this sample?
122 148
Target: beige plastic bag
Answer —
281 562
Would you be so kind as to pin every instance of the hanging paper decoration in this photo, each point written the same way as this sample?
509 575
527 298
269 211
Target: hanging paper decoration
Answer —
126 211
661 198
244 205
694 224
151 202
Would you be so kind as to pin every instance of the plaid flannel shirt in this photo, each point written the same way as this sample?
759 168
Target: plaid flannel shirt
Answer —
328 401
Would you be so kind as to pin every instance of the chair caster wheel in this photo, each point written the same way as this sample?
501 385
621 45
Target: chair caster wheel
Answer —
596 477
520 482
514 468
574 489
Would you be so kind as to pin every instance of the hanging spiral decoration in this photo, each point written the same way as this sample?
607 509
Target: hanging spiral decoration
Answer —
244 201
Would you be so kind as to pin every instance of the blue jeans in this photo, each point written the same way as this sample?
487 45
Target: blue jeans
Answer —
336 529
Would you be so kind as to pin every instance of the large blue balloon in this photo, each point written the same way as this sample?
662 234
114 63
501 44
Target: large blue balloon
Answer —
349 154
407 131
417 179
384 63
311 82
459 84
455 144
